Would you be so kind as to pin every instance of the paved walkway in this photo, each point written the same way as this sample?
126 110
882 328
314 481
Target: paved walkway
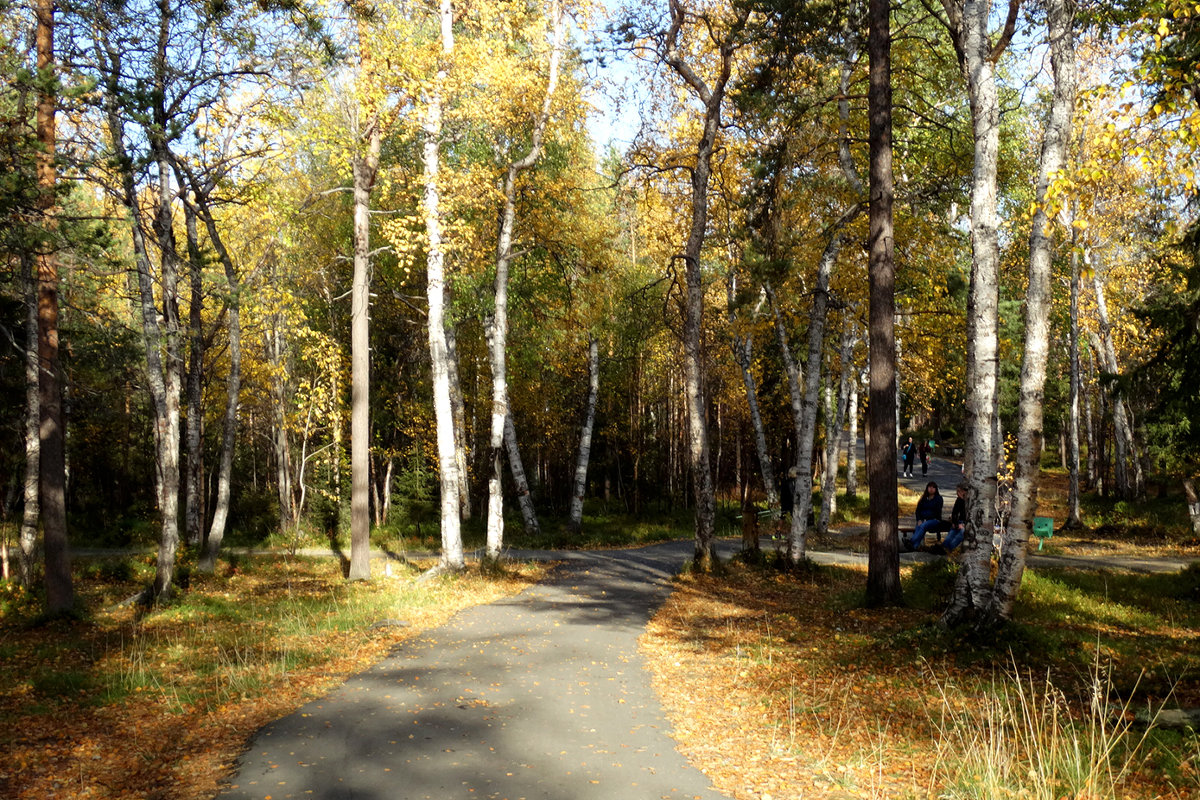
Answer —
541 696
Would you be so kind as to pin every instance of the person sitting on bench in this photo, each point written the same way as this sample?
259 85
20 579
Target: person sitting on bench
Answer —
928 514
958 520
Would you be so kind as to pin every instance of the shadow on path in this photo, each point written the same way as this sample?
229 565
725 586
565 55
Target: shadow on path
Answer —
542 695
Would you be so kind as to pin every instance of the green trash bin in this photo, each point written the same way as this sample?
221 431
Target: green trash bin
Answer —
1043 529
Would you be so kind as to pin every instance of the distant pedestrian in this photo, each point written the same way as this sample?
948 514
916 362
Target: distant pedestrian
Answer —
910 454
923 451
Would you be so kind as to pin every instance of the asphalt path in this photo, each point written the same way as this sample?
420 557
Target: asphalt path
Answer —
541 696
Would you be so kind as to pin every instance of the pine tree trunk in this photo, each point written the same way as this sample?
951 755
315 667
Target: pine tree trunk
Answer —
1038 301
977 57
575 522
60 591
365 167
439 355
30 550
498 329
883 558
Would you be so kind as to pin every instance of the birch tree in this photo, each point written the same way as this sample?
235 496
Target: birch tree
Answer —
575 522
968 24
498 321
1055 143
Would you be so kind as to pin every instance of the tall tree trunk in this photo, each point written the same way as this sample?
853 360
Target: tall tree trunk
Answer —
279 439
1126 467
742 353
712 97
575 522
458 409
439 355
968 20
194 499
1074 519
30 551
365 166
60 591
883 558
834 419
498 335
1060 22
807 425
233 322
852 437
520 481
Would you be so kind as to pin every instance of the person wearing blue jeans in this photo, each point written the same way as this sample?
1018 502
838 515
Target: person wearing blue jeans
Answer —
928 514
958 520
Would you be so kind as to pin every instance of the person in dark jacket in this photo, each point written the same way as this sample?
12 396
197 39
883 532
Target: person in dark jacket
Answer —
958 520
928 514
910 454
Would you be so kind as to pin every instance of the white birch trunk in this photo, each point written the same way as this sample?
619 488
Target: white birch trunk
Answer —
233 322
969 30
742 353
1193 504
459 412
498 338
451 526
575 522
834 419
28 541
1038 300
852 437
517 467
1074 520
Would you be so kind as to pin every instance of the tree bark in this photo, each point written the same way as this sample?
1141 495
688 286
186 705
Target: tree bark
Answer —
834 420
1125 459
1060 22
194 484
852 437
1193 504
60 591
517 468
458 408
233 321
30 550
585 437
439 356
1074 520
498 335
742 353
695 393
365 167
977 56
883 558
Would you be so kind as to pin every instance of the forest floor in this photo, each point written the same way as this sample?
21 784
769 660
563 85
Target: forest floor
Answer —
158 705
779 685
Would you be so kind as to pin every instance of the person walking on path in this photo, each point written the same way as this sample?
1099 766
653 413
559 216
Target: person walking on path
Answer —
910 453
924 450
